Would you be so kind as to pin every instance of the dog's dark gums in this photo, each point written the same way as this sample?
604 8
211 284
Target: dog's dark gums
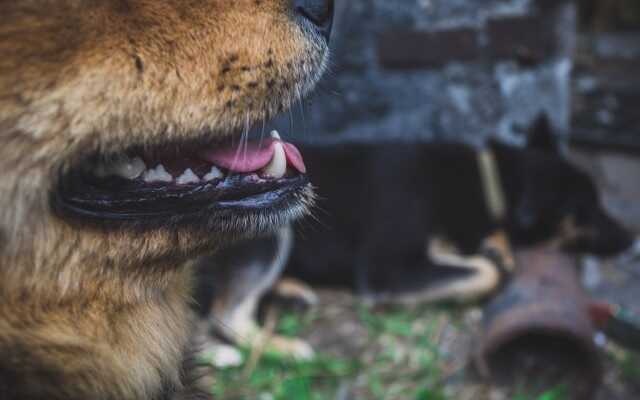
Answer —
91 308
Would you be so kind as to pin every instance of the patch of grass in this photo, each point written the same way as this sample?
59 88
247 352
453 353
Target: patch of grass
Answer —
429 394
409 364
559 393
388 354
293 325
402 362
630 366
280 379
395 323
628 362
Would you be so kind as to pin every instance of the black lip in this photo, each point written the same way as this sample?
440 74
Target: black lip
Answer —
324 29
77 197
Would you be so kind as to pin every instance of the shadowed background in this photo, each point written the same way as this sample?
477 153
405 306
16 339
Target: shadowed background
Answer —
465 70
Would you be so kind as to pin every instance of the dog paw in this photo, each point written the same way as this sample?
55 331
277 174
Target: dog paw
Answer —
221 356
295 349
297 291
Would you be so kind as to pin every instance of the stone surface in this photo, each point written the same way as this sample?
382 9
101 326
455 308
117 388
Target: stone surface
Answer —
606 91
617 176
444 69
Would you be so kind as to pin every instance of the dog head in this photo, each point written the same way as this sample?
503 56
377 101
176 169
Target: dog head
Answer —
96 96
557 199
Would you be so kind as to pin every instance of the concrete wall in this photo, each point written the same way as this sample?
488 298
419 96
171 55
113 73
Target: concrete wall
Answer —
450 69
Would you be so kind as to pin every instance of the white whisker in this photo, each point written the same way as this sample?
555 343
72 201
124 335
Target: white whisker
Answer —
304 120
290 122
244 141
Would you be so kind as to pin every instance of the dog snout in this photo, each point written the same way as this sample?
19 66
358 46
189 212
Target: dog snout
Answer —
599 234
319 12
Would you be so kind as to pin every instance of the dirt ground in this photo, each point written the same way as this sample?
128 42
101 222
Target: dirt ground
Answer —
399 353
420 353
340 330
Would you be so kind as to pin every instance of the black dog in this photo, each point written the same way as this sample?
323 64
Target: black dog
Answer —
381 203
382 206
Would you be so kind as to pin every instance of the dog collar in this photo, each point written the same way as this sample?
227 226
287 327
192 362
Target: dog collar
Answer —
492 185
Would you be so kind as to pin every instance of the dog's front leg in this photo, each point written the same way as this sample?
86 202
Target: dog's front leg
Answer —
244 274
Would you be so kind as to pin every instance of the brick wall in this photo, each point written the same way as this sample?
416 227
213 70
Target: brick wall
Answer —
606 89
452 69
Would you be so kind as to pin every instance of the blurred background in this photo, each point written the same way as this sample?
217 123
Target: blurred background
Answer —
464 70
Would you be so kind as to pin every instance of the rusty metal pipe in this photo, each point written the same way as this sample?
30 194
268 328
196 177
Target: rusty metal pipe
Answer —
540 326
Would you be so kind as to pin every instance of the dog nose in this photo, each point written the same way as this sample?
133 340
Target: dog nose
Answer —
319 12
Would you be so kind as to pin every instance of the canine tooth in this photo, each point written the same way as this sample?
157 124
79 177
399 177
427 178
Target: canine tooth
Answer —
215 173
157 174
278 165
187 177
275 135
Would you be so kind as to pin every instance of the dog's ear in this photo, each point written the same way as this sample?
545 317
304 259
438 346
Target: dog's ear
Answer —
540 135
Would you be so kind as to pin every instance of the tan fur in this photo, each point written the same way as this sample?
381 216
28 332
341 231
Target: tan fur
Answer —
92 314
291 288
233 312
483 279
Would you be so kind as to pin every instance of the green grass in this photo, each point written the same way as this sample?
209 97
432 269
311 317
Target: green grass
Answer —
630 366
384 377
417 373
279 379
293 325
628 362
559 393
403 361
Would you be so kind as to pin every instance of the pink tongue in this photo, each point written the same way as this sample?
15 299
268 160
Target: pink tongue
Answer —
254 156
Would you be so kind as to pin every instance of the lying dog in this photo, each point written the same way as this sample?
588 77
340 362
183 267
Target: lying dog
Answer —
116 120
385 206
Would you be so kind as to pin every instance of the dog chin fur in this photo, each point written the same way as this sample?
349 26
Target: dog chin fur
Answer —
95 313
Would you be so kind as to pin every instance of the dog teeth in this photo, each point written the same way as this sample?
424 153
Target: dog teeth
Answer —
123 167
157 174
275 135
187 177
214 174
132 169
278 165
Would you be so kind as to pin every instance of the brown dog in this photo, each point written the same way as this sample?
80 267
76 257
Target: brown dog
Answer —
113 119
